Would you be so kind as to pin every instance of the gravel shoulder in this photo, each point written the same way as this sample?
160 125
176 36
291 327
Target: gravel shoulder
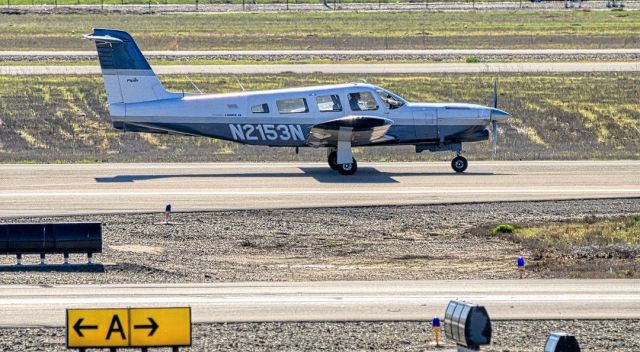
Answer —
362 243
600 335
411 242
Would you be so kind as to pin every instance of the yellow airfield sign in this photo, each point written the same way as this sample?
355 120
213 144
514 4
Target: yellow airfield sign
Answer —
160 327
129 327
97 328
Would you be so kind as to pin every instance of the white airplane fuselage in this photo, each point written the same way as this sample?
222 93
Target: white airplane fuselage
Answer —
230 117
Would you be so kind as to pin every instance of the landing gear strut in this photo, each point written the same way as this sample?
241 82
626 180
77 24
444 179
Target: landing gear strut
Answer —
459 164
344 169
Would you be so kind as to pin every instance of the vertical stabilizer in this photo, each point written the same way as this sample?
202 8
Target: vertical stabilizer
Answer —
128 78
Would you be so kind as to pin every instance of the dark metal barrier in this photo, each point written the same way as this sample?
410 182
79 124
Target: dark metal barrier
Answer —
561 342
467 324
51 238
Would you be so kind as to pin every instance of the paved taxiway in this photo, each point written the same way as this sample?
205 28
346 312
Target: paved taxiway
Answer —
341 53
413 68
334 300
115 188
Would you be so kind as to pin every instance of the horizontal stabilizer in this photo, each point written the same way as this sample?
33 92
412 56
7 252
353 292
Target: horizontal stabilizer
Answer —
102 38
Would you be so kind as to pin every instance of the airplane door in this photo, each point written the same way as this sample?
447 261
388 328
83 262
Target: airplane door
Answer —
426 124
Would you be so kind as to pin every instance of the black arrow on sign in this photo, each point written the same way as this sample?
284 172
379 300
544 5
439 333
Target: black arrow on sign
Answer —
78 327
153 326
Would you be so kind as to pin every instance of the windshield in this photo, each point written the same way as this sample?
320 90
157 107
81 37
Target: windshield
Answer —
392 101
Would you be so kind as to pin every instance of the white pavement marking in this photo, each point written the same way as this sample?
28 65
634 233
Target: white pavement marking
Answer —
128 188
511 67
435 52
339 301
584 192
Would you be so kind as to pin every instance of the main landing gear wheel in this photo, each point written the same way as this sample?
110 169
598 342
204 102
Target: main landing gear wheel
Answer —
332 160
459 164
347 169
344 169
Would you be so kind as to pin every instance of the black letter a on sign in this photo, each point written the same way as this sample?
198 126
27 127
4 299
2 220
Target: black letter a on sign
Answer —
116 326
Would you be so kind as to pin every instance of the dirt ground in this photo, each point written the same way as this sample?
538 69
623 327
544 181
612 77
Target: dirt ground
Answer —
514 336
361 243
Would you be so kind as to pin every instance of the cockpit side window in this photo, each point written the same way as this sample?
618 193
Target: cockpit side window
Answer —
391 101
362 101
260 109
329 103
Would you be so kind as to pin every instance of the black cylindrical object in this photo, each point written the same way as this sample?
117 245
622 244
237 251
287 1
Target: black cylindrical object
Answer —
467 324
561 342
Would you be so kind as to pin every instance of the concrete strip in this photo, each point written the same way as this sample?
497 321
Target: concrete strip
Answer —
332 301
435 52
122 188
538 67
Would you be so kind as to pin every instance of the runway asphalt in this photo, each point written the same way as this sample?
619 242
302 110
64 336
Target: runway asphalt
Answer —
120 188
412 68
268 53
333 300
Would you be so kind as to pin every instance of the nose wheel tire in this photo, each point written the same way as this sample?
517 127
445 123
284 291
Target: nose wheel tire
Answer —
459 164
347 169
332 160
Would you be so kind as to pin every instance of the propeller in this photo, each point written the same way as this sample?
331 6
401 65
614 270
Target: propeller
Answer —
494 123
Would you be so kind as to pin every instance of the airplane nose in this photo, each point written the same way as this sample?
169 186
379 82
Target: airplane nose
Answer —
499 115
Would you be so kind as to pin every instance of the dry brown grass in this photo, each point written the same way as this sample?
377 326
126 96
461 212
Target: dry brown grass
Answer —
57 118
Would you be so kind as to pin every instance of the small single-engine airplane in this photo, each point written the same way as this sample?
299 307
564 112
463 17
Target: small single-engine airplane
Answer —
336 117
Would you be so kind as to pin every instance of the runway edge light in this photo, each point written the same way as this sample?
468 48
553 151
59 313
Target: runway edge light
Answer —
561 342
468 325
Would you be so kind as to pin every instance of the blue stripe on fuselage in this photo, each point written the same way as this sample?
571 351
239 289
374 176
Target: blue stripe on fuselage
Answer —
295 135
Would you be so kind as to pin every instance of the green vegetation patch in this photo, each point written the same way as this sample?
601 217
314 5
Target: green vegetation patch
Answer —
621 231
504 228
332 30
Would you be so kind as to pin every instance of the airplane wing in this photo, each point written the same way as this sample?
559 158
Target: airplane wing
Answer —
359 130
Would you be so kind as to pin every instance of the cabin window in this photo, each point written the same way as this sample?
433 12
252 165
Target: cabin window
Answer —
260 108
292 106
329 103
363 101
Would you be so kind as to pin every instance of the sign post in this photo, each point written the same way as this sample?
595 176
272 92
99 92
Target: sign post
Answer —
129 327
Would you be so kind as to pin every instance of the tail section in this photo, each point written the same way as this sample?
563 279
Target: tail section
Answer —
128 78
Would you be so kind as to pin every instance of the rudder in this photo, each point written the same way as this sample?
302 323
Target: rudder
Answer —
128 78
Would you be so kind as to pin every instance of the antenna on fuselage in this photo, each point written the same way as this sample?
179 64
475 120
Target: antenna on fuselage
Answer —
193 84
240 84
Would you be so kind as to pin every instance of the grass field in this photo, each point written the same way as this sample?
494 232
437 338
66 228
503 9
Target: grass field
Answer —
590 232
57 118
336 30
590 247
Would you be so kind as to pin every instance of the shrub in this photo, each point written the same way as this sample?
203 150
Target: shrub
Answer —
472 59
504 228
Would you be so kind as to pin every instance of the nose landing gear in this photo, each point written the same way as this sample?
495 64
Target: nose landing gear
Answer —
459 163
